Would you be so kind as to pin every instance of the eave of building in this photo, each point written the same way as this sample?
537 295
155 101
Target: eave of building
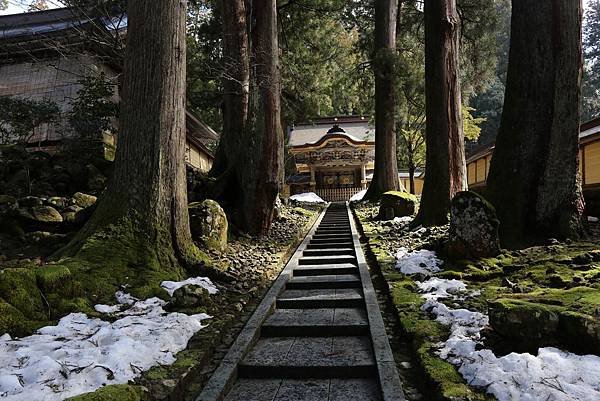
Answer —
329 137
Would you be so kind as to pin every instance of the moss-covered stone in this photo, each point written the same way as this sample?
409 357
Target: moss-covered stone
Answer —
208 223
84 200
118 392
473 227
397 204
12 320
46 214
18 287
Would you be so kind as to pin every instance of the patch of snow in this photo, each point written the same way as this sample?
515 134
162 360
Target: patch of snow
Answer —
308 197
551 375
436 288
203 282
593 219
413 262
404 219
358 196
81 354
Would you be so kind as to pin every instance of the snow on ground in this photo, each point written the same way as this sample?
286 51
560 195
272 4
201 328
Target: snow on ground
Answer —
203 282
81 354
358 196
412 262
309 197
551 375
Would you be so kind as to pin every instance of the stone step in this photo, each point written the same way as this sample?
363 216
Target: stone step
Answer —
327 245
304 389
326 260
329 251
321 270
332 237
321 298
333 231
325 281
322 322
331 241
310 357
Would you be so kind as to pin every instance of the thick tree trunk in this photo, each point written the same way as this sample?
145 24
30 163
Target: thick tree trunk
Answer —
263 143
533 176
249 163
236 85
445 166
385 175
147 192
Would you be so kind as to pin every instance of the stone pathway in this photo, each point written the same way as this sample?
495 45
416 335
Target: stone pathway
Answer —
318 334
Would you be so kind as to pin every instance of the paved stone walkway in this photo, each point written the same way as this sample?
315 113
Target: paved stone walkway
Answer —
323 338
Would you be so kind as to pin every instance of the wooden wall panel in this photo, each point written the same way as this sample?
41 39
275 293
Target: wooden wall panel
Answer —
592 163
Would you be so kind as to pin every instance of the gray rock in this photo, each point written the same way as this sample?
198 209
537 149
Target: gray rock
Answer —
46 214
397 204
473 227
58 202
190 295
84 200
208 224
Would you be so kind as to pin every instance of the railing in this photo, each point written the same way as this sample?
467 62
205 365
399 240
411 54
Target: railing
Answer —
337 194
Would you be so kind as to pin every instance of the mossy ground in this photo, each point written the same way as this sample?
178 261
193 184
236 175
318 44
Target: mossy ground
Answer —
562 279
115 258
118 392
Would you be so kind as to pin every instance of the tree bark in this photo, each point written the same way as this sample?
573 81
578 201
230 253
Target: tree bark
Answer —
147 192
445 167
236 84
385 175
262 171
533 176
249 163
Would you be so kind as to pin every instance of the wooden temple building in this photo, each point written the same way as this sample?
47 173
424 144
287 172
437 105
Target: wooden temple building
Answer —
45 55
333 156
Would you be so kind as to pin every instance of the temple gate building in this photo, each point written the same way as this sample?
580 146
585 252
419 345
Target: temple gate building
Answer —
333 156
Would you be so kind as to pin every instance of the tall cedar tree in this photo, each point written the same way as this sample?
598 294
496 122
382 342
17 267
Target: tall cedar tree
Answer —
147 193
385 176
533 176
445 160
249 161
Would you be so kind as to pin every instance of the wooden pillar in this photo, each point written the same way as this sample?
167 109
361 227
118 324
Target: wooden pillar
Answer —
313 180
363 176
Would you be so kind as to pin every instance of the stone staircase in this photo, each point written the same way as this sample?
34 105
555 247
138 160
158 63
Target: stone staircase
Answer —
318 341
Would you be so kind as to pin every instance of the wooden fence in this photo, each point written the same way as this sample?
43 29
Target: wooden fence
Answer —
337 194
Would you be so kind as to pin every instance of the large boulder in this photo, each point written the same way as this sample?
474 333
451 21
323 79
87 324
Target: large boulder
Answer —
397 204
208 224
473 227
526 325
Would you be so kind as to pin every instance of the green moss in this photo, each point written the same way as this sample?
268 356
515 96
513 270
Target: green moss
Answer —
53 278
12 320
120 256
449 382
18 287
404 195
118 392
